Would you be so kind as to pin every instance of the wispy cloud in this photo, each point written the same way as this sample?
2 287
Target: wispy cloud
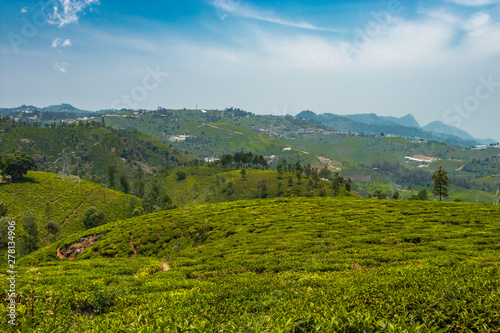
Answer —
66 11
474 2
243 10
61 66
58 42
24 10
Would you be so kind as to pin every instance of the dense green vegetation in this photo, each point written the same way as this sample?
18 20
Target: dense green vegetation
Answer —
63 201
278 265
87 151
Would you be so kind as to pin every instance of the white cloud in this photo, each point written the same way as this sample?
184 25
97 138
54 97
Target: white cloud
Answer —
67 42
242 10
66 11
58 42
474 2
61 66
24 10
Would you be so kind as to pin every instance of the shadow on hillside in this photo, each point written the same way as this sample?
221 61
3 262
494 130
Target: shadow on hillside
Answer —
22 180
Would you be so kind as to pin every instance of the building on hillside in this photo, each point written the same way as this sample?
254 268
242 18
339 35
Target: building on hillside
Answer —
419 159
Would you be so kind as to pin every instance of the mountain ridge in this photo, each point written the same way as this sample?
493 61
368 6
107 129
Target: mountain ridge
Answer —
406 126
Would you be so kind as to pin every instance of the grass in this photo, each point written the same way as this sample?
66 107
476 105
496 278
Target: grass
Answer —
277 265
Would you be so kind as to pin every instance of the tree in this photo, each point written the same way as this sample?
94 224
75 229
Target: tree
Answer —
138 184
181 175
440 183
29 241
379 194
52 227
149 201
4 231
279 168
111 175
279 186
16 164
243 173
396 195
93 217
299 176
3 209
124 184
348 185
263 188
423 194
325 173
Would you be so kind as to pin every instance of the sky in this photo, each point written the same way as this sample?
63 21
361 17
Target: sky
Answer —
438 60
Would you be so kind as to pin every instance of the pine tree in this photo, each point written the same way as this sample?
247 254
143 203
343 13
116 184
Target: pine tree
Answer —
440 183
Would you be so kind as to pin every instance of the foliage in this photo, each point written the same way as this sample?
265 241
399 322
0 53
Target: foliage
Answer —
52 227
124 184
93 217
111 175
16 164
3 209
277 265
51 197
440 183
29 240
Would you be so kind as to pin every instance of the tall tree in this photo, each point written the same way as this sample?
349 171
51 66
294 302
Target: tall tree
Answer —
29 241
111 175
440 183
124 184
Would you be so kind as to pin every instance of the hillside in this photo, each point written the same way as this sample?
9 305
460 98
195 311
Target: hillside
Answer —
216 132
204 185
88 150
50 196
319 264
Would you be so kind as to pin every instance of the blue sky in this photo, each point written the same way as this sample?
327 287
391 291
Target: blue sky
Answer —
439 60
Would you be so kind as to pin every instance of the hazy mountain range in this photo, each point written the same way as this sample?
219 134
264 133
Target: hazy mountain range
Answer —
368 123
406 126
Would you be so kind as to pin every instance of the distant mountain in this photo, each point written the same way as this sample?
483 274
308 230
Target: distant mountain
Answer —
406 127
372 118
68 108
60 108
439 127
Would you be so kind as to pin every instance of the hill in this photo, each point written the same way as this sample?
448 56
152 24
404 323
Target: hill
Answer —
51 197
373 124
204 185
87 150
280 265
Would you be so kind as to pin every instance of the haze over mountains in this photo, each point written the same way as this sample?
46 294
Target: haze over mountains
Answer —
368 123
406 126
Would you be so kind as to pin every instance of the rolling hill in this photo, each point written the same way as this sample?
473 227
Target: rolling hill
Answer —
280 265
204 185
51 197
89 150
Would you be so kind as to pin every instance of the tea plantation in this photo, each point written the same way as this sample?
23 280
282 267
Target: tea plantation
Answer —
63 201
272 265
